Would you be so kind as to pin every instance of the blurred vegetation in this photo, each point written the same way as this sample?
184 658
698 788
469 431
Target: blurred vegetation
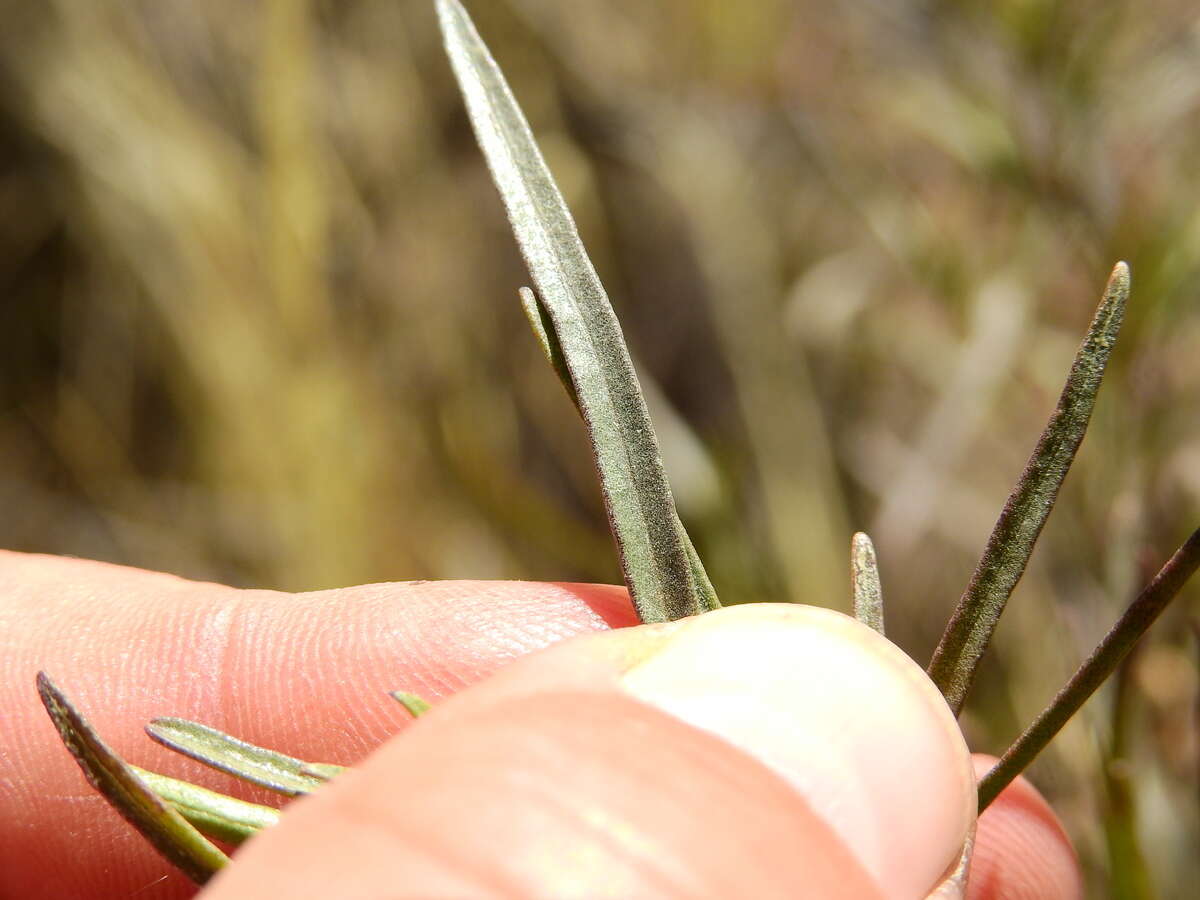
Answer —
260 323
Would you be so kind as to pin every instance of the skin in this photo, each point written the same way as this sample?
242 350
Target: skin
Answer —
598 767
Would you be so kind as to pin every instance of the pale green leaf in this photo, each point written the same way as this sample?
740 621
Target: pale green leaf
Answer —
216 815
268 768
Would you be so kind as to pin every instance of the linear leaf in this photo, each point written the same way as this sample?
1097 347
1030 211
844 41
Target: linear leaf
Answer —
1140 615
216 815
1016 531
171 834
641 511
543 330
268 768
864 582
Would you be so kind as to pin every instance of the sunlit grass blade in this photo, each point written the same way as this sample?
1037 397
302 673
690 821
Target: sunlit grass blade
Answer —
1011 543
414 704
864 582
641 510
268 768
216 815
543 330
1103 661
169 832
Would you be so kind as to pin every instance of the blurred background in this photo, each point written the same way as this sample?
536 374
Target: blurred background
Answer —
259 323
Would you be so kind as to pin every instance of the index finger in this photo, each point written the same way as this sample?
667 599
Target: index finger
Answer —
304 673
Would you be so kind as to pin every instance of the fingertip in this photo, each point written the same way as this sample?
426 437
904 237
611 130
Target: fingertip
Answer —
307 674
1022 851
556 795
590 769
846 716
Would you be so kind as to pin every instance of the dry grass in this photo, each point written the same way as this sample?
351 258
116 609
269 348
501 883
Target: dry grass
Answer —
260 319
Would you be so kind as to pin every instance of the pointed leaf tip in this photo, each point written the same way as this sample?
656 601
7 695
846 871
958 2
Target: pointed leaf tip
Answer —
416 706
641 510
1025 512
163 826
864 582
269 768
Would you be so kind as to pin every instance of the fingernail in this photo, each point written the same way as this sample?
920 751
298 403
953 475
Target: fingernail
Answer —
849 720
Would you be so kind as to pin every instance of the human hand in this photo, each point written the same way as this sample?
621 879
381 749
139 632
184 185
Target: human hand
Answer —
571 773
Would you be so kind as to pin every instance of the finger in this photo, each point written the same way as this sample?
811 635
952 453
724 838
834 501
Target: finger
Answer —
1021 849
305 673
762 751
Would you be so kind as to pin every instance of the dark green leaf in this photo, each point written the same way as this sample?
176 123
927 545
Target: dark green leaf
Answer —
1015 533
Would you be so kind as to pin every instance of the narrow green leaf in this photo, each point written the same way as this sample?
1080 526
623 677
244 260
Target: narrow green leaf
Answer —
1108 654
543 330
414 704
216 815
1008 549
864 582
641 510
268 768
171 834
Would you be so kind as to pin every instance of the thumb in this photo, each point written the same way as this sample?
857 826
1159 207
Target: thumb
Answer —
758 751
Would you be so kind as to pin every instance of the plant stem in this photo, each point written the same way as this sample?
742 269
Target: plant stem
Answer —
1104 659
